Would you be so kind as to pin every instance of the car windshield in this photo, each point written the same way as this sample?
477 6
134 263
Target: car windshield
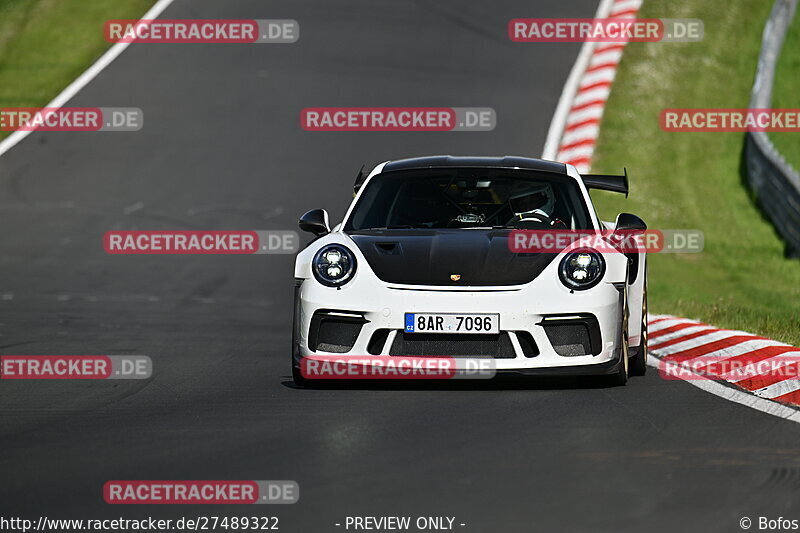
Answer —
470 198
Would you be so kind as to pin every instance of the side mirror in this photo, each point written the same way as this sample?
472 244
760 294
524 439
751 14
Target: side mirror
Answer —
629 222
316 222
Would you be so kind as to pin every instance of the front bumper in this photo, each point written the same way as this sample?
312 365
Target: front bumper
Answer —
382 308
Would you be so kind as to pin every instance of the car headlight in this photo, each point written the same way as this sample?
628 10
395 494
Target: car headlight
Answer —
334 265
581 269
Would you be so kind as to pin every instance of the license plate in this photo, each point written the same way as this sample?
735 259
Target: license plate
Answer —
452 323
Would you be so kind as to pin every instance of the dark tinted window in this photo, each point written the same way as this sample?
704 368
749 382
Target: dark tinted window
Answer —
459 197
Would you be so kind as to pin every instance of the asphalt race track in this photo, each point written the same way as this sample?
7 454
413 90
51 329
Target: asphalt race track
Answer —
222 148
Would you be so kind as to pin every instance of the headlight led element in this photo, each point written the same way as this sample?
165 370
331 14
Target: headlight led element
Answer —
334 265
581 269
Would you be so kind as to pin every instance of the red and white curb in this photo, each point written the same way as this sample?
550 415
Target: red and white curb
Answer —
752 368
571 139
576 124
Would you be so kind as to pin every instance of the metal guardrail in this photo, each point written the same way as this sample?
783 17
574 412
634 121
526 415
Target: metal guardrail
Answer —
774 182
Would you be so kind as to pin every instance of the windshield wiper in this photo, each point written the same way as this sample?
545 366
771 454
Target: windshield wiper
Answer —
395 226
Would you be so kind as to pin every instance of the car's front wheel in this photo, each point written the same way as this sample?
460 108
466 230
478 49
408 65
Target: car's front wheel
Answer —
297 375
639 361
620 377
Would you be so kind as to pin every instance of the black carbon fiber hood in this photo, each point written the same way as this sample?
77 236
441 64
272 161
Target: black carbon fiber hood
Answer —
481 257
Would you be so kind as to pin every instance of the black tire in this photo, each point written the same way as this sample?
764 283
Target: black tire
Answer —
620 377
297 376
638 365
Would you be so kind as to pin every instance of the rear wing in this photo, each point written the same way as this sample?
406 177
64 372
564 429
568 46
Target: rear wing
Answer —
607 182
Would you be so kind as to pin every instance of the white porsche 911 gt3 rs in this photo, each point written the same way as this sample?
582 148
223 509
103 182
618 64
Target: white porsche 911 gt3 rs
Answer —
423 265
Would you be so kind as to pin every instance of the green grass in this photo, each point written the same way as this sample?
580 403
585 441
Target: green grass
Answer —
693 180
46 44
784 92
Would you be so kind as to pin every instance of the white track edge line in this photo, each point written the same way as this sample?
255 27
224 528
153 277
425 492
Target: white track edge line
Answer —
83 80
734 395
565 101
551 149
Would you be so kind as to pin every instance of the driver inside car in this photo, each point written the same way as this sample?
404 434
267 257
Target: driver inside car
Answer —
533 205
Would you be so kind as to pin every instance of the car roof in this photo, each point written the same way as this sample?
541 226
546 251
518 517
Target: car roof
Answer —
443 161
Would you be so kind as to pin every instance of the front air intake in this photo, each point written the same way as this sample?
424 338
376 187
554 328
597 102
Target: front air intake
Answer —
334 331
378 340
527 344
573 336
455 345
